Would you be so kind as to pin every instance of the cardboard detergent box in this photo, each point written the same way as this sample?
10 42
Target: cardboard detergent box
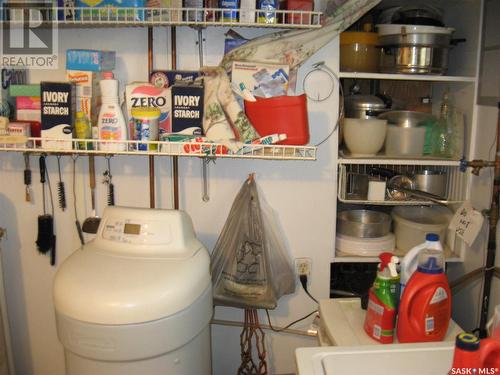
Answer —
87 92
57 115
187 108
167 78
144 94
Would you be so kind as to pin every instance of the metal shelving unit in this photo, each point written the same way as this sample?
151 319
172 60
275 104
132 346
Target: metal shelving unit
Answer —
187 149
74 17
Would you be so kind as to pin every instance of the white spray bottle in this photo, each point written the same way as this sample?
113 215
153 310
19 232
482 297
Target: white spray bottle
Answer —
111 123
410 261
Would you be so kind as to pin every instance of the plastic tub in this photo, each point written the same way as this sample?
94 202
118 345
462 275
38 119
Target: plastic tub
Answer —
280 115
413 223
359 52
402 141
145 126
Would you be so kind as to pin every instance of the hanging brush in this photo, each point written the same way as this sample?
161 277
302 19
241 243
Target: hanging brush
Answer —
61 193
108 180
77 221
46 240
27 177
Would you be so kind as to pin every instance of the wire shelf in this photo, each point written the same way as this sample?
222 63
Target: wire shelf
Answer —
340 257
346 158
74 17
347 191
188 149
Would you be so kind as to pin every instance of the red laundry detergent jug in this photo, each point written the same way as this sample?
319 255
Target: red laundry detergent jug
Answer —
474 356
280 115
425 307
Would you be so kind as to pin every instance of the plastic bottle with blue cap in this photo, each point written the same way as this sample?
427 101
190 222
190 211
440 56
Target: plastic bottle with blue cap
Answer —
425 306
409 262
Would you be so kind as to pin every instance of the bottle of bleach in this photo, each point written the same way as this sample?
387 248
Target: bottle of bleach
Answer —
111 123
425 307
410 260
383 301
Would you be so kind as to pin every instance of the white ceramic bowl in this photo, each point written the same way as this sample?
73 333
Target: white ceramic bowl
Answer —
364 137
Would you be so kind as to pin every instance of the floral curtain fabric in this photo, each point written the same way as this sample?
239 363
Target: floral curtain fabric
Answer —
296 46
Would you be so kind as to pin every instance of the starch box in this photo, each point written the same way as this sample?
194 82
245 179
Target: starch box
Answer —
87 92
57 115
187 108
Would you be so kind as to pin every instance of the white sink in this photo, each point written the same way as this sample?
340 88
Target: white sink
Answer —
394 359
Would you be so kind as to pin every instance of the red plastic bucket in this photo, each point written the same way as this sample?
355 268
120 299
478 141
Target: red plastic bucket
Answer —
282 115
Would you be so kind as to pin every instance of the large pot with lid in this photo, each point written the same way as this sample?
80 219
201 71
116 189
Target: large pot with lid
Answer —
414 49
364 106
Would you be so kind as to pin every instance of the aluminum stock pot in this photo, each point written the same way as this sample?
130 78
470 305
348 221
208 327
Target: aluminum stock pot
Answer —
414 49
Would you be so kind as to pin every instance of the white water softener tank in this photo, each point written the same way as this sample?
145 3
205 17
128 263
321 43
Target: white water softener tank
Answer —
137 300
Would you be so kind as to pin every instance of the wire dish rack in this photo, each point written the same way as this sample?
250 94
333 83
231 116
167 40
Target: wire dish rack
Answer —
455 184
149 16
198 149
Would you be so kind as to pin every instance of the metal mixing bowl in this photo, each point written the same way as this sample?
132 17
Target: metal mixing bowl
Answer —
363 223
405 119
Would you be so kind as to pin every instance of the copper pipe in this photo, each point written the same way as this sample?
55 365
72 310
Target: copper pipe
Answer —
175 159
468 278
151 158
150 51
173 42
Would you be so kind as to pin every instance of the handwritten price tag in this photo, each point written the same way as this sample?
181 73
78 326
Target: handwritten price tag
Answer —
467 222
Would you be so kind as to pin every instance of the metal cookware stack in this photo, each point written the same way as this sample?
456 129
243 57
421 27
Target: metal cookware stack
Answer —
364 233
415 41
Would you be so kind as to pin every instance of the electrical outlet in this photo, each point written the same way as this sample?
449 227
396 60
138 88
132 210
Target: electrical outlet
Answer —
303 266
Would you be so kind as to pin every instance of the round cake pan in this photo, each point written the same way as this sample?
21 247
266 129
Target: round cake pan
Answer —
363 223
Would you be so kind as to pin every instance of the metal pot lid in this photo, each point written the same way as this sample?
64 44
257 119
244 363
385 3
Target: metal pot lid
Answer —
367 102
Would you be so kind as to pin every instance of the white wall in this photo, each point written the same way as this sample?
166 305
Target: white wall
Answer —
467 302
302 194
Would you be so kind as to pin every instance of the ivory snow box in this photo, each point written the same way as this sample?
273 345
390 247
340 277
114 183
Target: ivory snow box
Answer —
57 106
187 108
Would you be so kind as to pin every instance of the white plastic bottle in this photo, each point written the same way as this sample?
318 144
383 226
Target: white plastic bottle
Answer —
111 123
410 261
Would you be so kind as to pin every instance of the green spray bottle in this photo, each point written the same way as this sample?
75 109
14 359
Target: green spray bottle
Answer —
383 300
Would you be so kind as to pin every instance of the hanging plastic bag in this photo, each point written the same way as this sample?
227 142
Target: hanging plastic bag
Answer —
250 265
